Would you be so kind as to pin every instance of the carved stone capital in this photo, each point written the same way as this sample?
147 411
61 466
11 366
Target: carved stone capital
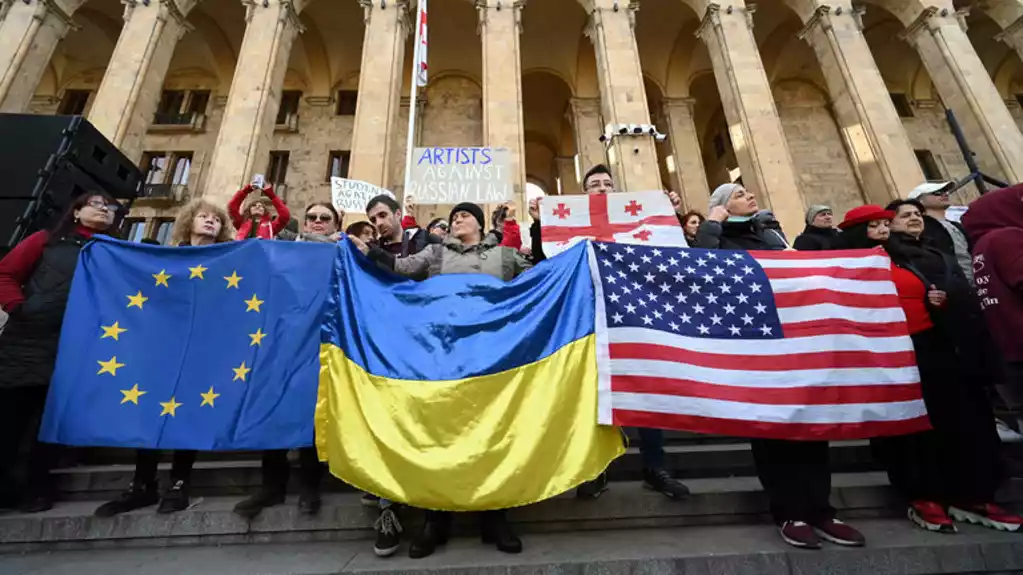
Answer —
484 8
286 11
674 106
1012 33
820 17
922 23
44 7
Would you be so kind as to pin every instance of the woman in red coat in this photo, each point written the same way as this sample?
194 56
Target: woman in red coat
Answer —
258 221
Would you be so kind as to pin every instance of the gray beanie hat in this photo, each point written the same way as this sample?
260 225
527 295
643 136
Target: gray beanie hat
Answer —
815 209
721 195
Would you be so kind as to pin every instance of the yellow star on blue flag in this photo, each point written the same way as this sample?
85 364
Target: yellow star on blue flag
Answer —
135 373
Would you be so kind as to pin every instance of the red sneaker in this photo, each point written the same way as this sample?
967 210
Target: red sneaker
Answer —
799 534
988 515
931 516
839 533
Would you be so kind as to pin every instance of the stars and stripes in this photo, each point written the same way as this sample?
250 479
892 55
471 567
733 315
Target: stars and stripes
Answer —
796 345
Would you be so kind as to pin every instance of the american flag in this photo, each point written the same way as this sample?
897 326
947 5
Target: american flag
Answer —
789 345
421 46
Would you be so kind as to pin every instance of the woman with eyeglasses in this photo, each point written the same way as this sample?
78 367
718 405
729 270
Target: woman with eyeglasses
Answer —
321 225
35 280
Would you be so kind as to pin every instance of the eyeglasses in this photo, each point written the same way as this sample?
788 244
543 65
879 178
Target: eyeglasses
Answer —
101 205
441 226
319 218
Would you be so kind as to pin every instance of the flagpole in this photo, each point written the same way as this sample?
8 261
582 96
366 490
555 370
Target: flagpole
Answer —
413 92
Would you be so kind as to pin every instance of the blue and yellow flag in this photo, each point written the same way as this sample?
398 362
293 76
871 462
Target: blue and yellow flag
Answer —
208 348
462 392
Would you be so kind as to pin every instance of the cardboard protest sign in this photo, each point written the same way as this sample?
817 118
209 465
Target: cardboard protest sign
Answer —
353 195
452 175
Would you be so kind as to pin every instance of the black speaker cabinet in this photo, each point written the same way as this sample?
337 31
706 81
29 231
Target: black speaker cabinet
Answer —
47 161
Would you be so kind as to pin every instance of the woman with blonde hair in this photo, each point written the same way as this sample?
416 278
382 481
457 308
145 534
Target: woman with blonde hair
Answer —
199 223
196 225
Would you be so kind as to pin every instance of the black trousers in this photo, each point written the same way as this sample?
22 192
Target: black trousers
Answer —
958 461
147 460
796 476
20 411
277 469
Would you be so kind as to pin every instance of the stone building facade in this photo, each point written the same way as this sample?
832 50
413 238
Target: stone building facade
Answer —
808 101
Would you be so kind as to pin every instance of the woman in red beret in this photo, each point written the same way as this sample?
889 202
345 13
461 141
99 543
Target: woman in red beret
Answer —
951 472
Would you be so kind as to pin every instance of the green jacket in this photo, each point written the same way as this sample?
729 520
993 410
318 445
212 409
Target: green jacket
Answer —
453 257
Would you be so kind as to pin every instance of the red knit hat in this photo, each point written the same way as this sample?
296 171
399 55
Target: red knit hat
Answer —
865 214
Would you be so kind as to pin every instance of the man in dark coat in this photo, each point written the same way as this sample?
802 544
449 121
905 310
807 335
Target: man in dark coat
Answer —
820 232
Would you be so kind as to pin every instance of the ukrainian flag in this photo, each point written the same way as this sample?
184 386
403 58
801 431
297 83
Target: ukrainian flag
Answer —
462 392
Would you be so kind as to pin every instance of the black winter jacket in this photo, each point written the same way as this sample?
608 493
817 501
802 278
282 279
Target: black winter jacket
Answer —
28 345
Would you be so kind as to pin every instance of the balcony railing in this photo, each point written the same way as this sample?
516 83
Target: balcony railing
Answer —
290 124
166 192
174 121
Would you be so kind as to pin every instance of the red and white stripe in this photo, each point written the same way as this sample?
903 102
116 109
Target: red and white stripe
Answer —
845 369
422 75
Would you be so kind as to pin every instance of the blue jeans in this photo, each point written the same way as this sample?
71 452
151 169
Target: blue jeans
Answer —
651 447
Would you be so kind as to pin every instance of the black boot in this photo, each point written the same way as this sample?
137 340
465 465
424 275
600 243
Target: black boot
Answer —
435 533
136 497
251 507
494 528
309 501
175 499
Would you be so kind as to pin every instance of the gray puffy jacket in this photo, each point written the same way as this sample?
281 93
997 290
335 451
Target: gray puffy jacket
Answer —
454 257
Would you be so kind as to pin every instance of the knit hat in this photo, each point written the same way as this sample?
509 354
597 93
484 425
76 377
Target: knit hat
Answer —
721 195
865 214
812 212
473 209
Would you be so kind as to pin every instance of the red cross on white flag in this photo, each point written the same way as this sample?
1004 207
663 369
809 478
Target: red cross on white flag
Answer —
622 217
421 67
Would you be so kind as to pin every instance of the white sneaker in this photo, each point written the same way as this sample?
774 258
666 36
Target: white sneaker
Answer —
1006 433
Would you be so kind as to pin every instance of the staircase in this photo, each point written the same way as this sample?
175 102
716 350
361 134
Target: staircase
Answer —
722 528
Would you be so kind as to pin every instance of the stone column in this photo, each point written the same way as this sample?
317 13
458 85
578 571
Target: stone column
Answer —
690 177
500 24
130 91
879 146
243 143
380 83
966 88
29 33
753 123
585 119
566 173
622 94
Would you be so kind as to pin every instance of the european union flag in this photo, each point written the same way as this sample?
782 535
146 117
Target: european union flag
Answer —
207 348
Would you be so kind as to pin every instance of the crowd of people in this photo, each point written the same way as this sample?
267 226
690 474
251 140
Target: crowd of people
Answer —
960 286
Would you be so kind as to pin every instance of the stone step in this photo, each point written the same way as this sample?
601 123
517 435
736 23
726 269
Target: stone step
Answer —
894 547
210 520
240 476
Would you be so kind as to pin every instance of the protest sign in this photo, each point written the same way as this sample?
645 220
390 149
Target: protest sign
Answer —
452 175
353 195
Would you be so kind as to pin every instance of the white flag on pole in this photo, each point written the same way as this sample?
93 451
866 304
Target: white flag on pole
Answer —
421 67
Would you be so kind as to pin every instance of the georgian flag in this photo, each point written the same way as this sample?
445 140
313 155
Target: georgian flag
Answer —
421 45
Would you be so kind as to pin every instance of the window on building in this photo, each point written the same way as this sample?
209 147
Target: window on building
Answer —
198 101
337 166
277 171
154 166
289 105
346 102
164 230
136 229
902 106
181 167
73 103
170 102
928 165
719 145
